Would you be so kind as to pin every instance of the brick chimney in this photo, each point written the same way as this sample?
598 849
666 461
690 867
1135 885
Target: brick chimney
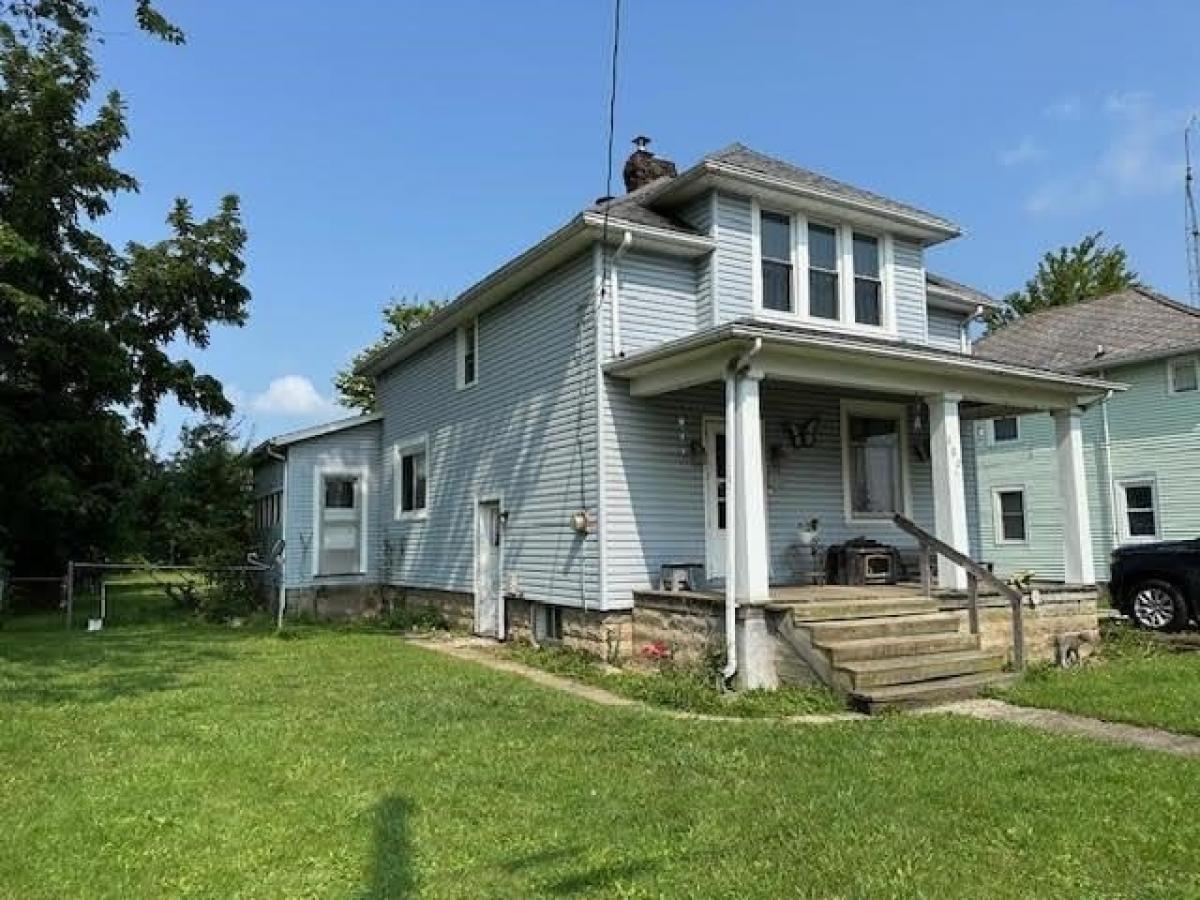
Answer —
643 167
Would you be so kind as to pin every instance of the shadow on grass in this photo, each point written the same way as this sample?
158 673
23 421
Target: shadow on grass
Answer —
391 876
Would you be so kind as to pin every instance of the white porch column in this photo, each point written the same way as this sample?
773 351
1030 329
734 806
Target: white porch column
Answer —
751 552
1072 484
949 487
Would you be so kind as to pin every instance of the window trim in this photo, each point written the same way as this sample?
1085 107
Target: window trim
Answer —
1120 485
339 471
998 536
878 410
460 354
1171 363
402 448
854 276
995 441
791 262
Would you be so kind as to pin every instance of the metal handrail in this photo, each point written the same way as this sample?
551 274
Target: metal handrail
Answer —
976 572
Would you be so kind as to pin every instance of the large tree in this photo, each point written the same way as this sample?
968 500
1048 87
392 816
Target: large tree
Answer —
85 327
399 318
1070 275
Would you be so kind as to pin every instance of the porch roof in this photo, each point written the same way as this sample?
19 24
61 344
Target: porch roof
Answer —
817 356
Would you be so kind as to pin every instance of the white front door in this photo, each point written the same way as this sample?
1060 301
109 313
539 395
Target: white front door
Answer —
717 510
487 569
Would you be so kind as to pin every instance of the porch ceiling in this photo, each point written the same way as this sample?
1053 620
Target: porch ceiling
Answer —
812 356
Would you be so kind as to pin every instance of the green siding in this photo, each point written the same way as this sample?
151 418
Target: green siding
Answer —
1153 435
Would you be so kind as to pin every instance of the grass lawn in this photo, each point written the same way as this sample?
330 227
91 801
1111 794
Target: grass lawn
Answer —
175 760
1136 679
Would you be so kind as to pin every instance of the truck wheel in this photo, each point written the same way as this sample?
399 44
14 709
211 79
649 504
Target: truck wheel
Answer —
1157 605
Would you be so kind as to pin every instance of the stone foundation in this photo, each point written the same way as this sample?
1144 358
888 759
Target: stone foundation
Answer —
691 626
335 601
1060 616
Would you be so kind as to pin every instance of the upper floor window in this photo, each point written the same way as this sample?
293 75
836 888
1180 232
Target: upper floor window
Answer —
412 479
775 233
468 354
1005 429
1182 376
823 272
868 286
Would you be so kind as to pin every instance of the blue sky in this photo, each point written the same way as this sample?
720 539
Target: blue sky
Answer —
388 149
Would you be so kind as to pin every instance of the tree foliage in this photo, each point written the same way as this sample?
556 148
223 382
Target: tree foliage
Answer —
399 318
1070 275
86 327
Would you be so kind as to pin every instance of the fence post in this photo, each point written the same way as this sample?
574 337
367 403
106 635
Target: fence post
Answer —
69 589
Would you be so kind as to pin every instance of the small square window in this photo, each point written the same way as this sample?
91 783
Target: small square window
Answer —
1183 376
1010 516
339 493
1005 429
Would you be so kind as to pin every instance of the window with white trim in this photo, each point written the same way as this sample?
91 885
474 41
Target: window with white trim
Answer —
1005 429
775 250
1139 509
412 480
1010 515
1183 375
823 290
468 354
874 476
340 547
868 280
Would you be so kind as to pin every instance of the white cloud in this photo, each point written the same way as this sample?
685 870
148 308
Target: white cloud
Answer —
1064 109
291 395
1027 150
1140 157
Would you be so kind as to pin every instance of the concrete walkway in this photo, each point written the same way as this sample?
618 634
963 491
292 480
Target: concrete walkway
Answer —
1067 723
480 650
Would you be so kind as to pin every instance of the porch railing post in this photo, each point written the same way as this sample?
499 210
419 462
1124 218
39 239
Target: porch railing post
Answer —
1018 628
926 570
973 602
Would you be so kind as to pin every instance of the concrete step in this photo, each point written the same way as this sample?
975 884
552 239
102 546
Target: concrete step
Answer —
898 646
925 693
869 673
826 610
884 626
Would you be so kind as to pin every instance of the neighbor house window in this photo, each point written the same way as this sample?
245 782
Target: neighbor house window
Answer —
1182 376
1139 515
1005 429
873 461
468 354
823 272
775 241
1010 516
868 286
413 477
341 536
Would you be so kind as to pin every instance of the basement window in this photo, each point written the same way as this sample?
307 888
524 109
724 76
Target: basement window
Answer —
1010 516
547 623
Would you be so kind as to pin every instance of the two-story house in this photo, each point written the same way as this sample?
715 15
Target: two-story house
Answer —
1141 446
684 375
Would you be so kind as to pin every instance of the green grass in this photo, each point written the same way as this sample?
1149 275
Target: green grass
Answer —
184 760
1136 678
683 689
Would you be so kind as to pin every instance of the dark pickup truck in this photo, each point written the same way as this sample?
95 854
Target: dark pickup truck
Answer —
1157 585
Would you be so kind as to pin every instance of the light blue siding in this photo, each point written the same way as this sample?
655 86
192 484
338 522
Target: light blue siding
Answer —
699 214
655 493
268 479
351 450
524 433
734 258
657 298
908 274
945 329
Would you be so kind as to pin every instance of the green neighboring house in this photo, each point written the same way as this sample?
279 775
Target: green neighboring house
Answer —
1141 445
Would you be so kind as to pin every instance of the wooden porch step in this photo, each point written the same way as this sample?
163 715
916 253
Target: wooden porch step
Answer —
826 610
925 693
870 673
904 645
838 630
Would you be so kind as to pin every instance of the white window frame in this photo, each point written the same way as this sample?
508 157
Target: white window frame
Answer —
998 535
340 471
851 305
460 354
1000 442
1171 364
759 212
1120 485
801 301
406 447
876 410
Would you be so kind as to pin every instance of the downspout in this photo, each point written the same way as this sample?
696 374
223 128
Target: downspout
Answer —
614 306
1107 493
732 374
274 454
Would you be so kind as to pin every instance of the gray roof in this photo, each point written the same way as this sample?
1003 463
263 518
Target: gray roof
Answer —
1128 326
635 207
942 284
742 157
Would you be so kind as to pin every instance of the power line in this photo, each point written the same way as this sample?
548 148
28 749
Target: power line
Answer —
1191 223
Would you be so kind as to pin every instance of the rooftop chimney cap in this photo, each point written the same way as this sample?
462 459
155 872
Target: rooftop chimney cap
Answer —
643 166
641 142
